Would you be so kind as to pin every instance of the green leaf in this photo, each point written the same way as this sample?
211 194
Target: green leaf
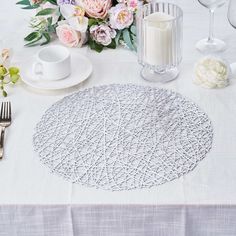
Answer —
47 38
24 2
3 71
134 41
49 19
32 36
118 37
13 71
127 39
33 42
44 12
51 29
61 18
31 7
4 93
15 78
92 21
112 44
95 46
54 2
133 29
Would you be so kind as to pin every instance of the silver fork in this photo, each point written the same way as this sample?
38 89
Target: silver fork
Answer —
5 121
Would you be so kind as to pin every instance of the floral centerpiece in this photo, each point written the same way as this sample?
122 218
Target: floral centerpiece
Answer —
8 74
98 23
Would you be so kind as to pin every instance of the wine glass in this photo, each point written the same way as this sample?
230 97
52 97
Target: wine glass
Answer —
211 44
232 13
232 21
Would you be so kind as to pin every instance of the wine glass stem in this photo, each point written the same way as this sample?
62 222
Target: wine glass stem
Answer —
211 26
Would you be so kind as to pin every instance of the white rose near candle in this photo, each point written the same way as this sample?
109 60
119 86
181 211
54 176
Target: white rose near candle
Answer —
159 40
212 72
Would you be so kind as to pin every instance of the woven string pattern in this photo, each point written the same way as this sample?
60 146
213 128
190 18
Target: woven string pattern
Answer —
123 137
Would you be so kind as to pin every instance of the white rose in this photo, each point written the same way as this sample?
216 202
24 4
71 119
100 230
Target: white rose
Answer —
211 72
75 17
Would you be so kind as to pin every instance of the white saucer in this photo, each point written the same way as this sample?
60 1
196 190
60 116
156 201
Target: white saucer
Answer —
81 69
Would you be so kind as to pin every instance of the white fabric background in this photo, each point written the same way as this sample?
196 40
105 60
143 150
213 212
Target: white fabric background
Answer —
24 180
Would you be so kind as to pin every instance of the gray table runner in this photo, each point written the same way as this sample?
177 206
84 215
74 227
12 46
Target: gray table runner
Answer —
123 137
136 220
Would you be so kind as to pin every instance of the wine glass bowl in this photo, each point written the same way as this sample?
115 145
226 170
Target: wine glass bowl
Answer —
211 44
212 4
232 13
232 20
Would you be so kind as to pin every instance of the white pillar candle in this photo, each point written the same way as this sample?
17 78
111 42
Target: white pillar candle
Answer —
158 39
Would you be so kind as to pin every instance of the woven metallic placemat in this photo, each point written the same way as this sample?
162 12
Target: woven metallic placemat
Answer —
122 137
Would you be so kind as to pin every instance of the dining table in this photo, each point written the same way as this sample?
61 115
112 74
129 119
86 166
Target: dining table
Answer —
34 201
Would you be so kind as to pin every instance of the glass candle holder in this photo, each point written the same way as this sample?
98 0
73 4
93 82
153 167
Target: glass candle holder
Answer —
159 40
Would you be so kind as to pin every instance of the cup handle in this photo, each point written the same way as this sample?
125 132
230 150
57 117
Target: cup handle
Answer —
37 70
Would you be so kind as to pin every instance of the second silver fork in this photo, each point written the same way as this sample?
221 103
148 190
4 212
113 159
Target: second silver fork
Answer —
5 121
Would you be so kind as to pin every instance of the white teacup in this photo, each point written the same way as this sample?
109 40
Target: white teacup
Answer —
53 63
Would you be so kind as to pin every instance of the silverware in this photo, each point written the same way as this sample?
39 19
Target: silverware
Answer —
5 121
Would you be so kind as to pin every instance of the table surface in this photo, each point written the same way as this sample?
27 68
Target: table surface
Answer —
24 180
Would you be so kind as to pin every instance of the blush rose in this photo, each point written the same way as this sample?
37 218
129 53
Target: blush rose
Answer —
70 37
97 8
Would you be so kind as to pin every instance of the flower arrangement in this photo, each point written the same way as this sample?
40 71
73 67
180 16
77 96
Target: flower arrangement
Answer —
8 74
98 23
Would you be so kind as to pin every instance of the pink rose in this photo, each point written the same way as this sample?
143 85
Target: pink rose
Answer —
70 37
131 4
102 34
120 17
97 8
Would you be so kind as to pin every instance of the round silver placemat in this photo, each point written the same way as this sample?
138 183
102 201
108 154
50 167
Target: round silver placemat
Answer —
122 137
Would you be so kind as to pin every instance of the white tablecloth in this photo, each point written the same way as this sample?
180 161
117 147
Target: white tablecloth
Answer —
24 180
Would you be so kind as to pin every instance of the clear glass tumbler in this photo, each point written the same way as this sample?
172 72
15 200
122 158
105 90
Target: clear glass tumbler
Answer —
159 40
